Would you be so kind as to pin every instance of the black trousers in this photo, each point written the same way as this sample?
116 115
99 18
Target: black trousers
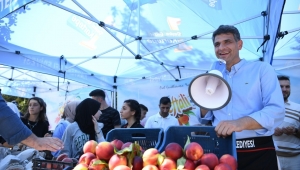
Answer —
256 154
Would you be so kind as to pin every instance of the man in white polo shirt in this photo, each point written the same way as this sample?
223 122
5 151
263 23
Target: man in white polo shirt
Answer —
162 119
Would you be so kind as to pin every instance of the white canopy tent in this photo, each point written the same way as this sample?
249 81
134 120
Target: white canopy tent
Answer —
112 43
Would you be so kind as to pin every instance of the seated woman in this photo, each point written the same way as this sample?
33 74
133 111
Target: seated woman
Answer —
84 128
131 111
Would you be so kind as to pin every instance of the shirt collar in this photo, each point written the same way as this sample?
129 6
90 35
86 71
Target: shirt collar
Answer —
163 117
288 103
238 65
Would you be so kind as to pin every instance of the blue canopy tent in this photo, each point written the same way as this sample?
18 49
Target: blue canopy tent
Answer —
111 43
286 58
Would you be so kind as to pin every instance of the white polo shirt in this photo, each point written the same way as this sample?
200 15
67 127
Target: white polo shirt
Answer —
157 121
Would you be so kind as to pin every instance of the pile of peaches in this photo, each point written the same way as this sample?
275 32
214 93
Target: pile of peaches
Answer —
116 155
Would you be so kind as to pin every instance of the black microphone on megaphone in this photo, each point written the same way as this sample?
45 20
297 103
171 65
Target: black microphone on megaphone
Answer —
210 91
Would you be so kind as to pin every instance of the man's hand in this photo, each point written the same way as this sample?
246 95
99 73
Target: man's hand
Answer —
278 132
95 124
225 128
49 143
46 143
289 130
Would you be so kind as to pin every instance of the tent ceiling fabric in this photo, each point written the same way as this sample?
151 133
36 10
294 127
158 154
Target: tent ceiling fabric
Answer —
287 51
111 43
19 82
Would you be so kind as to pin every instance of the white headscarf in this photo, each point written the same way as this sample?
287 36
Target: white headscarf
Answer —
70 110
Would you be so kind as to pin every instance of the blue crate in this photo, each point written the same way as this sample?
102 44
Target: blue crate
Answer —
145 137
204 135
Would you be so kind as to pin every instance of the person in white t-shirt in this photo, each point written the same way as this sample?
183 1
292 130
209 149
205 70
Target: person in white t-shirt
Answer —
162 119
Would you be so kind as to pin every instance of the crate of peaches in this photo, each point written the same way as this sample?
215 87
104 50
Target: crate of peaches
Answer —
201 148
176 153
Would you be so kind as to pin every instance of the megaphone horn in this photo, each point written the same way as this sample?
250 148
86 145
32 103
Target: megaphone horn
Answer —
210 91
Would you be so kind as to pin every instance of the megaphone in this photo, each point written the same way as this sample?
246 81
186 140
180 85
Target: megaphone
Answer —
210 91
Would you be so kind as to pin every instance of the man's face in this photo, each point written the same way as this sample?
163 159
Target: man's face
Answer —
227 49
285 88
164 109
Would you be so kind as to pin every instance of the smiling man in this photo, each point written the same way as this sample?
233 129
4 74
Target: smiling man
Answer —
256 106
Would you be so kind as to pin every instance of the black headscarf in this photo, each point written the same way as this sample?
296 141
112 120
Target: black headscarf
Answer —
83 117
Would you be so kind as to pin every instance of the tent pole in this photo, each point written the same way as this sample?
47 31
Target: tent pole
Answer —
91 18
139 31
98 55
161 63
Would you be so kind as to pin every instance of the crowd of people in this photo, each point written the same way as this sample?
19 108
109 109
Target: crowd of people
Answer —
259 111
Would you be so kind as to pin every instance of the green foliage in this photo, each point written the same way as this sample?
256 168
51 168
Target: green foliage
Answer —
22 102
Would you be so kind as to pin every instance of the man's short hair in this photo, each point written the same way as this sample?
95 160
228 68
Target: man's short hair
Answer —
164 100
98 93
225 29
282 77
143 107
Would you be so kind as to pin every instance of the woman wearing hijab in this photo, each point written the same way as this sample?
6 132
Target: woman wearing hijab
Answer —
84 128
67 118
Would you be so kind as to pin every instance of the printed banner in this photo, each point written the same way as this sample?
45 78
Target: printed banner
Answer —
149 92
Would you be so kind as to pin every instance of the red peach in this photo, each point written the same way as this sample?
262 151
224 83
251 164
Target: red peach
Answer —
97 164
86 158
121 167
62 156
69 160
150 167
117 144
230 160
104 151
198 162
222 166
81 166
174 151
125 145
168 164
90 146
193 151
48 166
137 163
189 165
210 159
150 157
202 167
117 160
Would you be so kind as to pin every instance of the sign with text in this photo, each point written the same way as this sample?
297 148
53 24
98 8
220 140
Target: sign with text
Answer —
149 92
